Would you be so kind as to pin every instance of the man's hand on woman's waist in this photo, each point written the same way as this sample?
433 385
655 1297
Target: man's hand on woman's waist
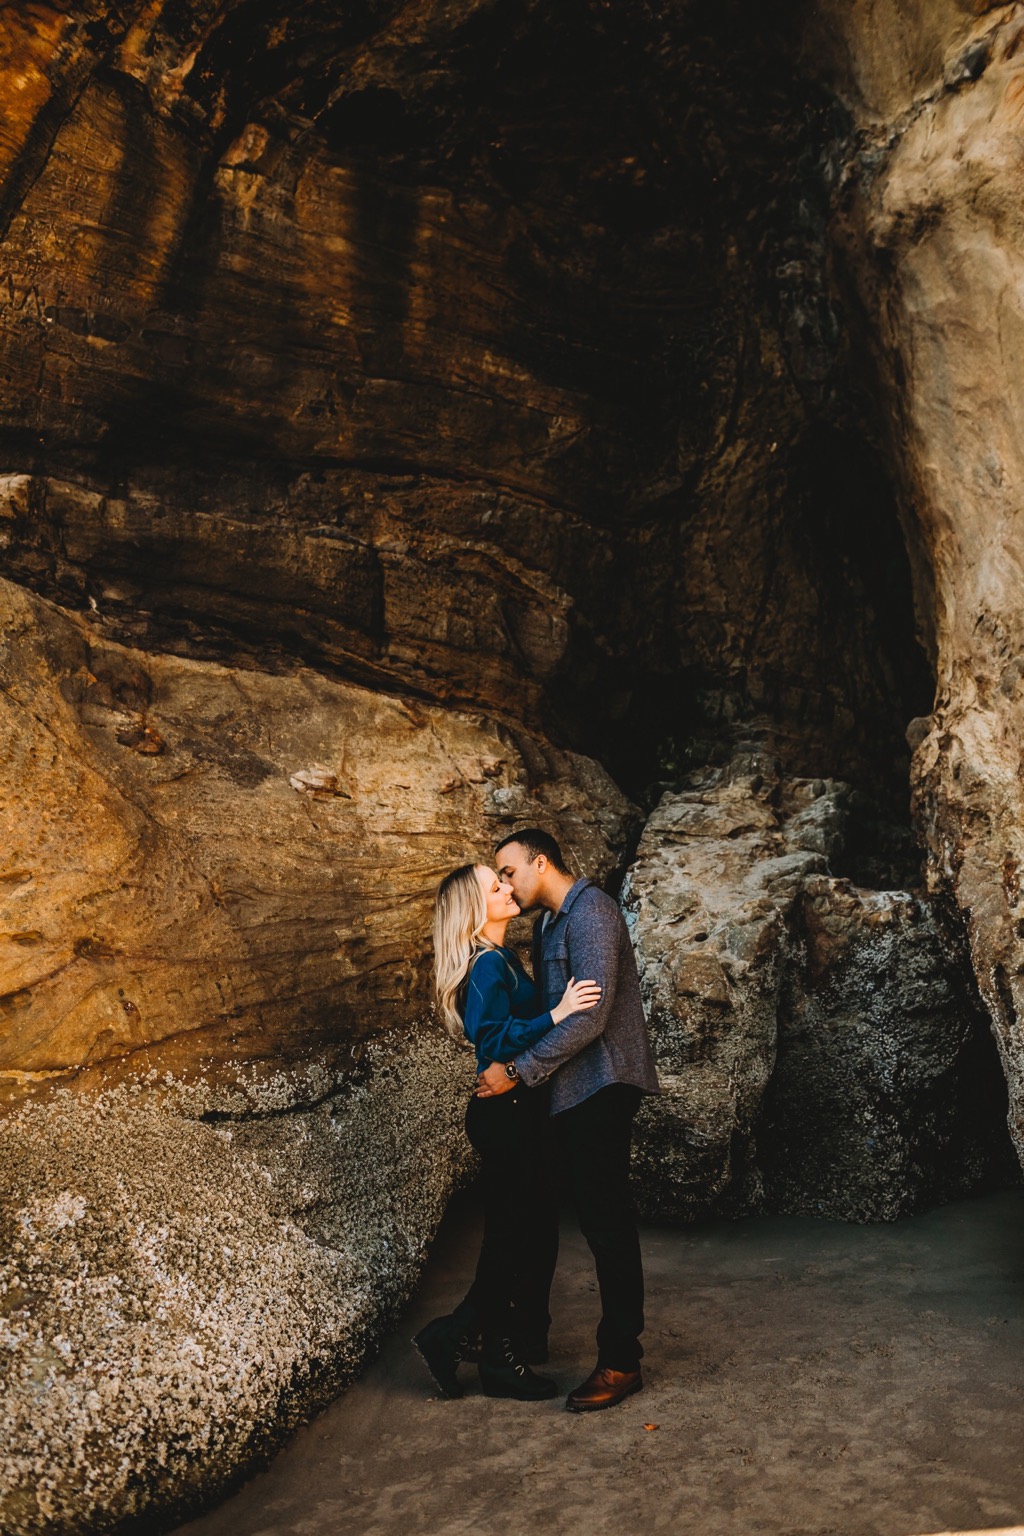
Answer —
493 1080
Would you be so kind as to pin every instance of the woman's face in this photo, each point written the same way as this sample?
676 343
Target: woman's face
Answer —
501 904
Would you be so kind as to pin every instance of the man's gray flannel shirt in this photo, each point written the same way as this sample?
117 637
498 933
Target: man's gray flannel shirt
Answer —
588 938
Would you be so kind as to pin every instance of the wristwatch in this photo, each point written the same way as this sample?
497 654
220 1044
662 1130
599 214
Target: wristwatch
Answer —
511 1072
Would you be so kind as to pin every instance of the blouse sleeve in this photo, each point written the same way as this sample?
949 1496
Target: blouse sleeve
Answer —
488 1019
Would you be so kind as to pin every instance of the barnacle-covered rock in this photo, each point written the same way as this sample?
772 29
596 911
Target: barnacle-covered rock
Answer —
820 1047
886 1095
180 1286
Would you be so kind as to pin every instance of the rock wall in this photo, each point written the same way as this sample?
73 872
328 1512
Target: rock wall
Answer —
206 866
448 351
929 235
231 1124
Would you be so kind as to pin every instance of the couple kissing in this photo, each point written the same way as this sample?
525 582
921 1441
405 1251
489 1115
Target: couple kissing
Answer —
563 1062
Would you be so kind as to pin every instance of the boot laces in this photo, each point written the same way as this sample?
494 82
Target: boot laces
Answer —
519 1369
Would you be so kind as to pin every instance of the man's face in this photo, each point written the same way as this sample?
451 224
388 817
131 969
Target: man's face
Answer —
524 877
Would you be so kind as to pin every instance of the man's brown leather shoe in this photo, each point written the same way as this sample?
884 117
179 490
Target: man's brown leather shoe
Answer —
603 1389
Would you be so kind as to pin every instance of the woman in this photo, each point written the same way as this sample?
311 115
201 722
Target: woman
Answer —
484 993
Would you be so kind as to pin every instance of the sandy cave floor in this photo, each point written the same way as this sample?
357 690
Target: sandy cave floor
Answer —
804 1377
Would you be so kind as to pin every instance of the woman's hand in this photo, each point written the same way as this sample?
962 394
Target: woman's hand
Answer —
577 998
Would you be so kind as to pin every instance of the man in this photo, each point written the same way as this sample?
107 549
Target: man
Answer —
599 1065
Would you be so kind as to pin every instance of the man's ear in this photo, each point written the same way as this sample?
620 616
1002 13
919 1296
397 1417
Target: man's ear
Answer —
541 863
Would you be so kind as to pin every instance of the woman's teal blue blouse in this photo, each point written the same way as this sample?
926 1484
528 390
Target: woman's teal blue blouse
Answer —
500 1014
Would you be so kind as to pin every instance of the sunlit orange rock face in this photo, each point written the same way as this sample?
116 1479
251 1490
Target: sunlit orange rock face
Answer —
206 865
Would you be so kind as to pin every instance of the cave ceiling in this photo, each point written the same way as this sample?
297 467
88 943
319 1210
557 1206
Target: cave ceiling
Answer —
489 353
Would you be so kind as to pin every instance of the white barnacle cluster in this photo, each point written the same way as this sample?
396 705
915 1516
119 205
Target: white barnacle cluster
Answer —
53 1214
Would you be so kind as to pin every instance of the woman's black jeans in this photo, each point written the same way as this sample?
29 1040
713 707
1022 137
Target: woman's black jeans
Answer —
512 1134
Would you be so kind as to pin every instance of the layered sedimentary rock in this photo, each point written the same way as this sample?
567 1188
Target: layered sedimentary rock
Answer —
207 866
471 350
930 235
817 1045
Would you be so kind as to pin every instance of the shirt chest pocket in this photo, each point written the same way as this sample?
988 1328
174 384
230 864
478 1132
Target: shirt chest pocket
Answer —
556 967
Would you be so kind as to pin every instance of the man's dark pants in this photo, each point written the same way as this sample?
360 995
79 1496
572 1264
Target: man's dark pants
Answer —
594 1140
509 1297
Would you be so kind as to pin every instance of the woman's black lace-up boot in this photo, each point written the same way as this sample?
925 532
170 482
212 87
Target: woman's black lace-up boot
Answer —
504 1373
443 1344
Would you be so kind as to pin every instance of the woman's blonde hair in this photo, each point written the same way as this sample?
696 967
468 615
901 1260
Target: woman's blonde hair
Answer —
460 911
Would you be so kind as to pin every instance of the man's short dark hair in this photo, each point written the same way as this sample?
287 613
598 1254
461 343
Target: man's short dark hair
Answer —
534 841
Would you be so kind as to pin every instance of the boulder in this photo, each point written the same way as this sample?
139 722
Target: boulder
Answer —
819 1049
886 1097
181 1286
710 898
